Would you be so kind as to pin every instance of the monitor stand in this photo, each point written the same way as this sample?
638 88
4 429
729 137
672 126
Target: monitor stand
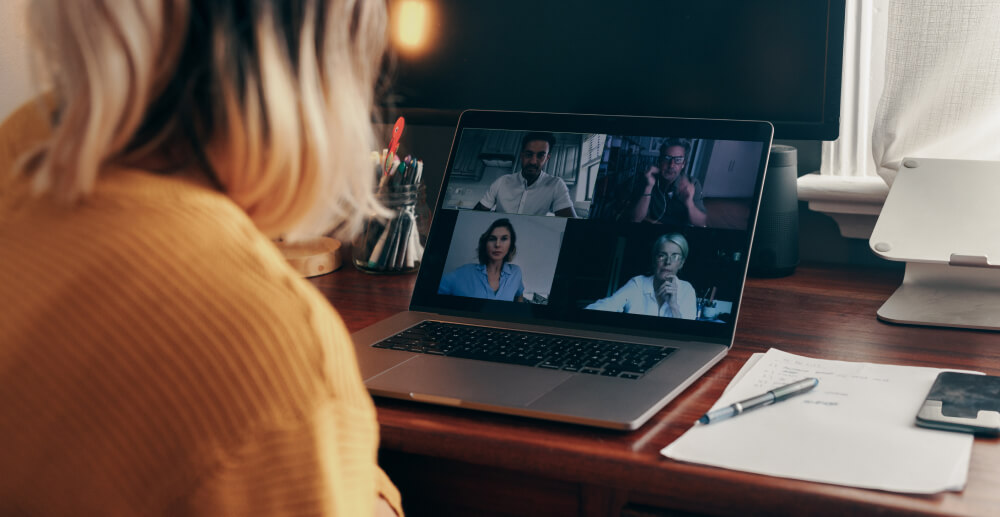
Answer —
942 217
946 296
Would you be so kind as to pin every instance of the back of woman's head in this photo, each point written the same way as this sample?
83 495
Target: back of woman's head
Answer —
271 98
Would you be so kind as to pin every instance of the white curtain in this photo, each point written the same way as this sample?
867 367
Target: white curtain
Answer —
850 155
941 97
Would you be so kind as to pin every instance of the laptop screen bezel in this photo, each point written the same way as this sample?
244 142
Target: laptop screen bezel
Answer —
426 299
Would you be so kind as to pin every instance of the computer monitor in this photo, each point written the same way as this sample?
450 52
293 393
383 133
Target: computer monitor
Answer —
774 60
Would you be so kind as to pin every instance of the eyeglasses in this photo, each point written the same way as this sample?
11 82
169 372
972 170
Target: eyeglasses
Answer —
527 155
676 159
663 257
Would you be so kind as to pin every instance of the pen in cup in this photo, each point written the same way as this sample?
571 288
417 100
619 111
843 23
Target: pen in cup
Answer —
765 399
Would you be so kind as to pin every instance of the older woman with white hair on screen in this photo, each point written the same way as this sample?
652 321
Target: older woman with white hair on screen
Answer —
660 293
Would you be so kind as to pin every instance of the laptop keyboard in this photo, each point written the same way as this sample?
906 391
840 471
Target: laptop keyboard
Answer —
591 356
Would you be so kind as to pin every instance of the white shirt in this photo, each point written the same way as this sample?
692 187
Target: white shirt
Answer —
638 296
511 194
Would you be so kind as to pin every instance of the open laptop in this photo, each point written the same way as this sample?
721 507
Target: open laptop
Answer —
594 319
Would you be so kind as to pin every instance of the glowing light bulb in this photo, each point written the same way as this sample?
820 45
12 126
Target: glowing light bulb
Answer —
412 24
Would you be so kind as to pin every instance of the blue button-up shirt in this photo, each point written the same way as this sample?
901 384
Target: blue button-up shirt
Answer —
471 280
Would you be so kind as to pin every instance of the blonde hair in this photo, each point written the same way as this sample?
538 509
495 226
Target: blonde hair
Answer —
272 99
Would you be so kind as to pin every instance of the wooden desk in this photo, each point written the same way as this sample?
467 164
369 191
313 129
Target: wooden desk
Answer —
450 461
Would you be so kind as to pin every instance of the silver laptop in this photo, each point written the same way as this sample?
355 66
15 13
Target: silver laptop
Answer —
600 315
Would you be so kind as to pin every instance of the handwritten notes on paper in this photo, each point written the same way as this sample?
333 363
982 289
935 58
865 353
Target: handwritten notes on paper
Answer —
856 428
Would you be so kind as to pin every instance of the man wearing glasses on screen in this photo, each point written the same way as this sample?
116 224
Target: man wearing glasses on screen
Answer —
666 194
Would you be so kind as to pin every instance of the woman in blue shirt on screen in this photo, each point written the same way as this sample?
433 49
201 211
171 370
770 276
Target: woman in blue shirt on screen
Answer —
493 278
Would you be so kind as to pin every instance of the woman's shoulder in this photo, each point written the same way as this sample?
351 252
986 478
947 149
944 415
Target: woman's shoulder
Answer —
214 265
170 225
178 264
641 279
180 285
460 274
468 269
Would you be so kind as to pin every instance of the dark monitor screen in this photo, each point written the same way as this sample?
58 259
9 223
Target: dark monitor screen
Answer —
774 60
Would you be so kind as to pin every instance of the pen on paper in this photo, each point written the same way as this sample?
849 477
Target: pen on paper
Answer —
765 399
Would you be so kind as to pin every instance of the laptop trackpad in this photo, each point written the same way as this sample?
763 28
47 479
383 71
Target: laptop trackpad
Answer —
431 379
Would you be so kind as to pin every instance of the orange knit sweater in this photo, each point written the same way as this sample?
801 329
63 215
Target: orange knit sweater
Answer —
158 356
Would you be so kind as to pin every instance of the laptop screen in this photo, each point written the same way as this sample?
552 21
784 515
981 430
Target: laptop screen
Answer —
623 223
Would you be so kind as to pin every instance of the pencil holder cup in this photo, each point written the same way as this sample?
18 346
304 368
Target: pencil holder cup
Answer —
396 244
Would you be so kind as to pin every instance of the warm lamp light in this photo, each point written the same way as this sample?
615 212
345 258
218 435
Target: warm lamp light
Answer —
412 25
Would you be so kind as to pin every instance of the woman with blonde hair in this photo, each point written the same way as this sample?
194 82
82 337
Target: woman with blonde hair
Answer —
158 354
662 292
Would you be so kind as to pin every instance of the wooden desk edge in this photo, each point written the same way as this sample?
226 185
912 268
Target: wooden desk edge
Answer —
819 311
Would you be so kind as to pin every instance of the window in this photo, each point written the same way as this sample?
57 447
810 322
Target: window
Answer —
847 187
934 67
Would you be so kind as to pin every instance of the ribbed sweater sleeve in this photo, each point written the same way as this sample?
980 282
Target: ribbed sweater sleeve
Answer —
158 356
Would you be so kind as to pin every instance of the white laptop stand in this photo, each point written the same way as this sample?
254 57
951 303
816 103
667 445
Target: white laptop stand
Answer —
942 217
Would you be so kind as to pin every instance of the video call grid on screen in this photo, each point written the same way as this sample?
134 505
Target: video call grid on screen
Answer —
571 264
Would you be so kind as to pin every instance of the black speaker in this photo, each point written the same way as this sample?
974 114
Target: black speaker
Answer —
775 250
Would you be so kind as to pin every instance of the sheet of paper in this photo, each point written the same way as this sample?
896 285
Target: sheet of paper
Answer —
856 428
